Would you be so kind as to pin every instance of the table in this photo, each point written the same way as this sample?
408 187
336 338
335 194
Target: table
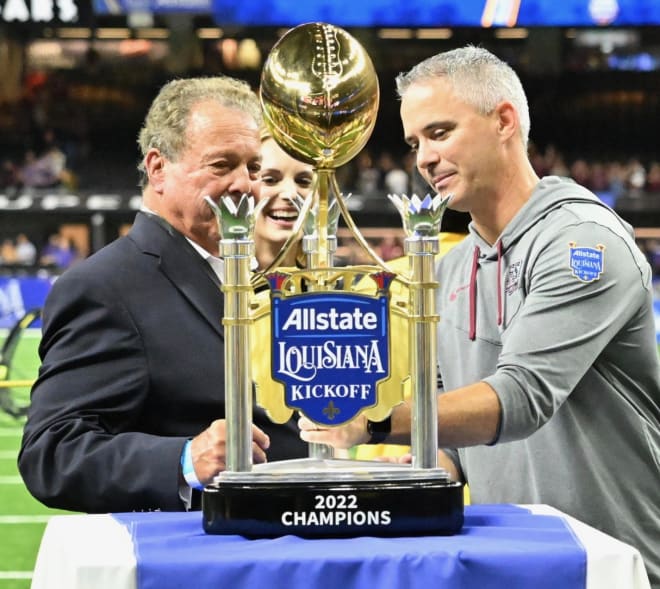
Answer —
533 546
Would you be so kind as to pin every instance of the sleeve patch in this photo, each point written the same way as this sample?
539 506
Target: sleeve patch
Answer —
587 263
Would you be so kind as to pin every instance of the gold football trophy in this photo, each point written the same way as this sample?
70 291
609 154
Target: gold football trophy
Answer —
331 330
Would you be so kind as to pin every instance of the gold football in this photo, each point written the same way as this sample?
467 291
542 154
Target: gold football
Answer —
319 94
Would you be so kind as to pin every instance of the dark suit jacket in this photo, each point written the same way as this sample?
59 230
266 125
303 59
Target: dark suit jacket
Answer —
132 366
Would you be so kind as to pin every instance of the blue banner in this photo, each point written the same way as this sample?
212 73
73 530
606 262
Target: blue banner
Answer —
21 294
413 13
154 6
439 13
499 546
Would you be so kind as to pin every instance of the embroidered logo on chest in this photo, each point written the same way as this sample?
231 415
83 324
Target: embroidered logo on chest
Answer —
587 263
453 295
512 280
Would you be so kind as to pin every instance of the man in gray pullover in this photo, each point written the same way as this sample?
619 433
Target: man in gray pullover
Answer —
547 343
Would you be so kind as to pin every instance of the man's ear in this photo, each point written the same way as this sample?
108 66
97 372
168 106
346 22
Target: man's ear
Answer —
154 165
507 119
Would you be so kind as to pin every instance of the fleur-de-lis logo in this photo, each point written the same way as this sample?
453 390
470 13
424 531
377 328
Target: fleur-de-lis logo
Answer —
331 411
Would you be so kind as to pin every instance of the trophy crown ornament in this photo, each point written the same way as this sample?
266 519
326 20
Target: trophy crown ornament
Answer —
310 224
236 218
421 217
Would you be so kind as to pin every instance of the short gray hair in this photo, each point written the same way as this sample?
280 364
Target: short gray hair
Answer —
166 122
480 78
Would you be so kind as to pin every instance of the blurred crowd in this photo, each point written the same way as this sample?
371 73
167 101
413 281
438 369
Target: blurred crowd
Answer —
57 254
651 247
617 178
372 174
52 158
42 166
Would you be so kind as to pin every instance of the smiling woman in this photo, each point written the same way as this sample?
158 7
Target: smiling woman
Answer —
282 177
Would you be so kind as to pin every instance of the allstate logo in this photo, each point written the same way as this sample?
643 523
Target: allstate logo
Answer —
330 349
587 263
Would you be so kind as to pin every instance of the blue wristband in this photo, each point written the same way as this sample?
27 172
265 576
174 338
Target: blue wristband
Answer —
188 469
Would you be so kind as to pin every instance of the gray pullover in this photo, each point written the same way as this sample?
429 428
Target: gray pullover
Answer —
557 317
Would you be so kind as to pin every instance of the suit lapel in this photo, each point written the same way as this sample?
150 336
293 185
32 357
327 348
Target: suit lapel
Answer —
182 265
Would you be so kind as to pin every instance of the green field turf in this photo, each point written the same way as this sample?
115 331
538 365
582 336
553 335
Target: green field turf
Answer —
22 518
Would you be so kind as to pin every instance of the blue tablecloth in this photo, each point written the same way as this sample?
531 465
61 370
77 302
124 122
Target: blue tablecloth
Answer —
500 546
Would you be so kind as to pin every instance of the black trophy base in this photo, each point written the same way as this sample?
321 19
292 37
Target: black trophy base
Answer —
393 503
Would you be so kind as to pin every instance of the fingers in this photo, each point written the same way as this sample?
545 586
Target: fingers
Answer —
260 438
315 436
260 443
390 459
344 436
404 459
258 454
306 424
312 433
209 450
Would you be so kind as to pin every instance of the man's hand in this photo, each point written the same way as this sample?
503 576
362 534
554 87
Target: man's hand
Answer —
343 436
209 450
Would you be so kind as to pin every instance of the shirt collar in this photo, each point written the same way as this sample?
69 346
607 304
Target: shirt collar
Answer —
216 263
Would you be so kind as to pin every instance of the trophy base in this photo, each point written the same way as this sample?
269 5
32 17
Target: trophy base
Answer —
316 498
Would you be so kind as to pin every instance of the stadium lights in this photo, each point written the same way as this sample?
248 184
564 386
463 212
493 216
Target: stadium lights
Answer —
113 33
152 33
107 202
517 33
395 33
74 33
135 202
442 33
210 33
59 201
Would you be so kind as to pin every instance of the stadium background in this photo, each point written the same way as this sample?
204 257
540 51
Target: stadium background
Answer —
83 73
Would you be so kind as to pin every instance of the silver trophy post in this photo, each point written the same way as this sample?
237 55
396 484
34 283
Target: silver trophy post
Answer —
237 249
319 245
421 223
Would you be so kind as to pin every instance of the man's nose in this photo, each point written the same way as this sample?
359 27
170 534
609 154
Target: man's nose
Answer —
242 182
427 156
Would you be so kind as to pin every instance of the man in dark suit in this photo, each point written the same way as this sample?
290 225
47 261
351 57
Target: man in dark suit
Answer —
132 349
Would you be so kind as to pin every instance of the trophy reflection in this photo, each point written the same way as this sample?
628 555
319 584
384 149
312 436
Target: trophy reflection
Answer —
331 330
